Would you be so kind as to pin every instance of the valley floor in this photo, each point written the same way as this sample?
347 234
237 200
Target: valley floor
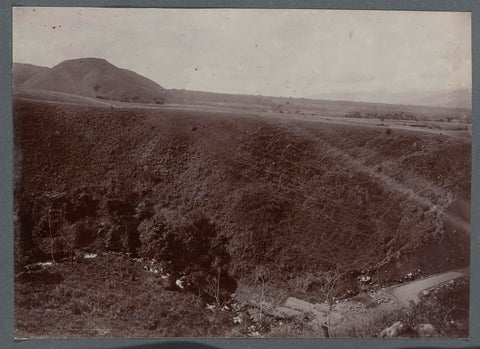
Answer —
113 295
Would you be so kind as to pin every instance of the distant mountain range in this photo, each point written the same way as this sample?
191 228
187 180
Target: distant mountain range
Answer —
96 77
447 99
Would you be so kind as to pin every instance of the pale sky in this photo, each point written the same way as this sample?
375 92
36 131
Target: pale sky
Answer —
298 53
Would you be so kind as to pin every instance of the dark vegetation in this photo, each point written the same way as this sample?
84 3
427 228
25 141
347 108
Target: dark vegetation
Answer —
190 247
382 116
213 198
457 116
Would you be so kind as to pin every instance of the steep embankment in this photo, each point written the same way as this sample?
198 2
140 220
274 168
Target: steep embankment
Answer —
304 200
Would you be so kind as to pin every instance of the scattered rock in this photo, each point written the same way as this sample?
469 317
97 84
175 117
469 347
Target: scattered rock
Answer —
364 278
103 331
38 266
180 283
238 319
426 330
398 329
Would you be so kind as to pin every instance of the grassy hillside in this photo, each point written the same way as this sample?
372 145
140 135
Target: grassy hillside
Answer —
302 200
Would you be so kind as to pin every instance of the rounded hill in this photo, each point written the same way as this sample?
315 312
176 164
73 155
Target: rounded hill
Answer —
95 77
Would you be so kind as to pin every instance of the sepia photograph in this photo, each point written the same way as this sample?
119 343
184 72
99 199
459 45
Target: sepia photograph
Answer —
241 173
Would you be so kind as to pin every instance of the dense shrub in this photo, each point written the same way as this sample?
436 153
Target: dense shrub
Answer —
191 247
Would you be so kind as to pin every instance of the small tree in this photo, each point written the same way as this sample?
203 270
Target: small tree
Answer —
210 274
262 276
330 280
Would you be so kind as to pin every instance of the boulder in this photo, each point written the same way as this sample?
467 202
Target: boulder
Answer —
321 307
365 278
180 283
285 313
299 304
398 329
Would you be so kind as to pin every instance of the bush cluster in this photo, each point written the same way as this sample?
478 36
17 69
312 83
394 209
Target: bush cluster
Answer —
189 247
382 116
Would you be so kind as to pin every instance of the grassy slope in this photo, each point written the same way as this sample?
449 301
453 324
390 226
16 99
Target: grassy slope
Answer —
299 198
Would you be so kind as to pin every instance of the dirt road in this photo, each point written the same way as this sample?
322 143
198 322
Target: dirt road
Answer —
368 309
410 292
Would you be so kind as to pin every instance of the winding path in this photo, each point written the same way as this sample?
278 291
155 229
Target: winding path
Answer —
410 291
362 313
